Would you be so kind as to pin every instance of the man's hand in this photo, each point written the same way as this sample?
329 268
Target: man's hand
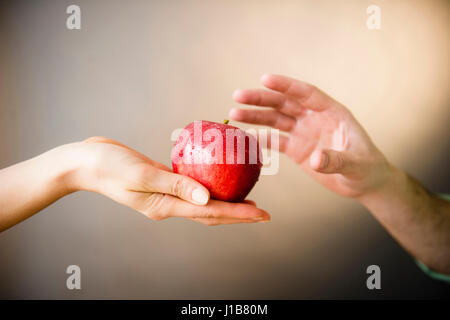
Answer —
322 135
327 141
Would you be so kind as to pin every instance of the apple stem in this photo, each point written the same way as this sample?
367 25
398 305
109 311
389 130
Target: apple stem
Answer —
226 121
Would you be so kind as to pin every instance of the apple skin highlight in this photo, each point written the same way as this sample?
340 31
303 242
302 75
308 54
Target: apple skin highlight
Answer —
225 181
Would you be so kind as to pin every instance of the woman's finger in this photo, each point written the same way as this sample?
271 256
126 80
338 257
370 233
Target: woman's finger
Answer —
165 182
216 209
216 222
250 202
161 206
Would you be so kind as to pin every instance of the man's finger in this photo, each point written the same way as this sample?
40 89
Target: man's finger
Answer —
279 144
330 161
271 118
265 98
308 95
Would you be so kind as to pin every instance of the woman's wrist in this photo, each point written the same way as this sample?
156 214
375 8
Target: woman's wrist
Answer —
32 185
67 161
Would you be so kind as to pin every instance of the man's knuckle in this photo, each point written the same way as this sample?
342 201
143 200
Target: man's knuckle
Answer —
339 161
310 91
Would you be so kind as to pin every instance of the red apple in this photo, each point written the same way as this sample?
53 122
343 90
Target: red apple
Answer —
224 158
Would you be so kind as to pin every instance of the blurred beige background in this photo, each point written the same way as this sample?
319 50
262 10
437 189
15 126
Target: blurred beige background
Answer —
139 69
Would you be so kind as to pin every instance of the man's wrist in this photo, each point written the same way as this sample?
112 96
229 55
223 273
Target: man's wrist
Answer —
391 180
398 188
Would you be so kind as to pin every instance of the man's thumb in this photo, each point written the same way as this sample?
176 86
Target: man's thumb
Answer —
329 161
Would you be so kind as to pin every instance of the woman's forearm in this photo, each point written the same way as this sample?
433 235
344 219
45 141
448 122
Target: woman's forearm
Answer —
419 220
30 186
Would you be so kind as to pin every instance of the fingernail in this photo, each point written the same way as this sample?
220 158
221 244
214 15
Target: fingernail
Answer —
324 161
199 196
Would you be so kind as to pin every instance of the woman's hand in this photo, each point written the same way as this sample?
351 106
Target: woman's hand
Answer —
110 168
132 179
323 136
